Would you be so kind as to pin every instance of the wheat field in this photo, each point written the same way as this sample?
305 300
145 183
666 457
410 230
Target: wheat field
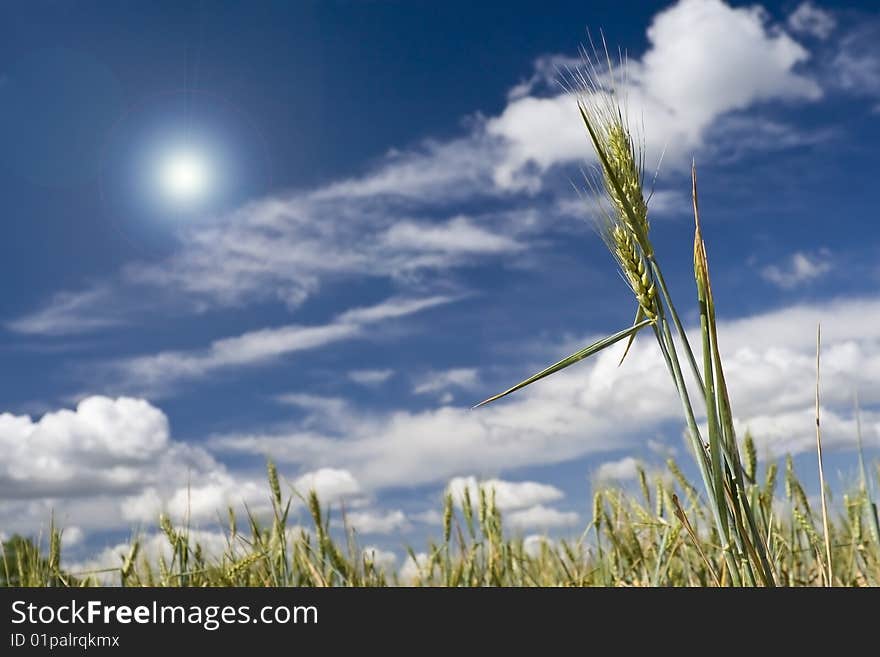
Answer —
740 525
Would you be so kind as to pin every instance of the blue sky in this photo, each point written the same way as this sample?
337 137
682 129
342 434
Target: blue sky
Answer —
389 234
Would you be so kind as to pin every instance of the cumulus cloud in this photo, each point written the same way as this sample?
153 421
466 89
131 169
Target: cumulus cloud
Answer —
540 517
104 444
800 268
377 522
71 536
522 503
597 406
106 463
414 567
621 470
794 431
110 462
330 484
382 559
213 493
509 495
152 547
534 544
704 60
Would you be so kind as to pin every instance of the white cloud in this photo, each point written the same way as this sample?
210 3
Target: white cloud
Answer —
621 470
314 403
209 500
533 544
458 235
856 66
330 484
152 547
254 347
370 377
540 132
415 568
705 59
807 18
104 444
152 372
107 463
669 202
597 406
461 377
433 171
401 219
382 559
794 431
285 247
509 495
377 522
429 517
392 309
71 536
800 268
540 517
111 462
69 312
547 69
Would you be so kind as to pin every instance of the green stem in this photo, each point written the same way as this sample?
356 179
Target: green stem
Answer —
667 346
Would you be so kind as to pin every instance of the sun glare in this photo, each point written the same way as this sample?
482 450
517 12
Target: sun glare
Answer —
184 176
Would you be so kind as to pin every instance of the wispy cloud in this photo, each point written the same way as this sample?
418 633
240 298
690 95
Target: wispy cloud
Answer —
456 235
154 371
370 377
809 19
392 309
69 313
460 377
598 406
409 215
798 269
856 66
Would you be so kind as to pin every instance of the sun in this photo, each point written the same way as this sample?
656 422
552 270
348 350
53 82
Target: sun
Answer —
184 175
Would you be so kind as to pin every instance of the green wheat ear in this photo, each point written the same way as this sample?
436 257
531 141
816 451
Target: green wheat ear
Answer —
624 227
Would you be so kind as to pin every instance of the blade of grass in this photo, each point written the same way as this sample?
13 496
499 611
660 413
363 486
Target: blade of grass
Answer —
640 315
829 574
751 540
864 484
571 360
